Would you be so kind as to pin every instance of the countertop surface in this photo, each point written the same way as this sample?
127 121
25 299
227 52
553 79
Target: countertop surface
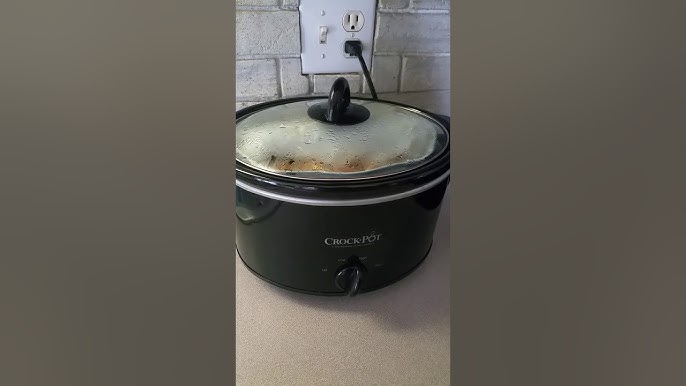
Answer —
398 335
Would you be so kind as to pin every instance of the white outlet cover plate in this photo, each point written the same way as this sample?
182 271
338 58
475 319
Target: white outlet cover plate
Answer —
329 58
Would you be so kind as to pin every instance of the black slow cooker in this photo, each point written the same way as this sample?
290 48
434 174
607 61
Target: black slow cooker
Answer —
338 195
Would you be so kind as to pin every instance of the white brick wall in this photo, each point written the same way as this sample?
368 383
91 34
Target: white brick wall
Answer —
293 83
256 32
394 4
385 73
423 73
431 4
256 78
410 64
412 32
258 2
323 83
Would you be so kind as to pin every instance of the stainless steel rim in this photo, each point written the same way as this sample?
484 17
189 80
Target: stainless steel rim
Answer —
359 202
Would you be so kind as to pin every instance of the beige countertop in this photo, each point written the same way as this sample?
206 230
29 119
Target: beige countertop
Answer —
398 335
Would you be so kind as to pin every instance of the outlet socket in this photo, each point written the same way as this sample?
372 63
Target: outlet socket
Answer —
353 21
325 25
347 55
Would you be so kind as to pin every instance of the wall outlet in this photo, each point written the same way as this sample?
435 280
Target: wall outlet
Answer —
325 26
353 21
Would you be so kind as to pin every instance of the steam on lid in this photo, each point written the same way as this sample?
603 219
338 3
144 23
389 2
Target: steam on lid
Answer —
284 140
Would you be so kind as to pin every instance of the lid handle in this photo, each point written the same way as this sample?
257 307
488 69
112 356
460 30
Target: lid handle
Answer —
339 100
338 110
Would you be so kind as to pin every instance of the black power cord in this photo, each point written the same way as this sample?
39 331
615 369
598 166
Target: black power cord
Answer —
354 47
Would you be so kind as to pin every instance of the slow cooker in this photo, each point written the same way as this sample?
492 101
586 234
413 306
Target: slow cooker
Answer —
338 195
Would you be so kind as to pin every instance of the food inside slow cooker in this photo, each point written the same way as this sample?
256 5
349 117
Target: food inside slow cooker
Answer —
288 141
294 164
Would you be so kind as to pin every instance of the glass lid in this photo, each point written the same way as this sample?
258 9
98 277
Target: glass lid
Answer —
368 139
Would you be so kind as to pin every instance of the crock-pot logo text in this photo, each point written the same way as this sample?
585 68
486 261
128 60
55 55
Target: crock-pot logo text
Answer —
359 241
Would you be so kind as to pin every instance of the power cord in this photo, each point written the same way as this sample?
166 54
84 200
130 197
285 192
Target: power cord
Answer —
354 47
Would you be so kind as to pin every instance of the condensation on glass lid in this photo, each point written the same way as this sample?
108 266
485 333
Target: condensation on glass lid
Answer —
285 140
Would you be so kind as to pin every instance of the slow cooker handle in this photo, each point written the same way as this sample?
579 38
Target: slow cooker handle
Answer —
339 100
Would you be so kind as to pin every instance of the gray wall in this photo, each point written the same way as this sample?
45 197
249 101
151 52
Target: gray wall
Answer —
410 63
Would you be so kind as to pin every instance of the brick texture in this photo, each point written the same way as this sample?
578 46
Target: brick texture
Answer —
256 32
426 73
394 4
433 101
410 65
242 105
431 4
256 78
385 74
293 83
322 83
291 4
257 2
412 32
